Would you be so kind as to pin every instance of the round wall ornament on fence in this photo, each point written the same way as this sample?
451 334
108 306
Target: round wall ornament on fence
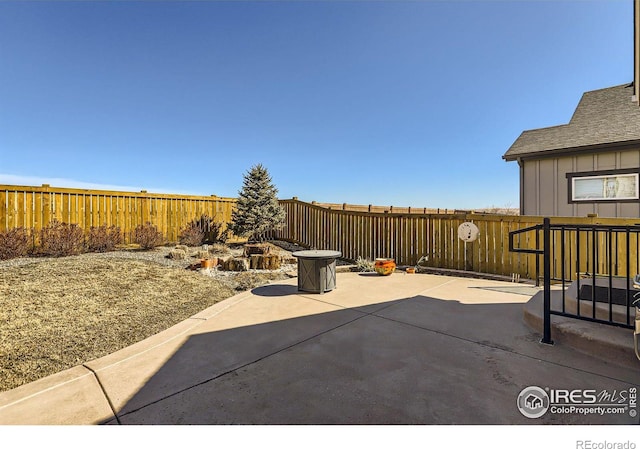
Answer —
468 232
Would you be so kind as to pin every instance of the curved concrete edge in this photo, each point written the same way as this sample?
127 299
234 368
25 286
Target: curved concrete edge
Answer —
608 343
175 332
77 390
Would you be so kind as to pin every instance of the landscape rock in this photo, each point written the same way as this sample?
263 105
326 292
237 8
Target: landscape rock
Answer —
265 262
236 264
202 254
256 248
177 254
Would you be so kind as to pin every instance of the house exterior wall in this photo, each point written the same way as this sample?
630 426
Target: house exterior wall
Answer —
545 187
636 50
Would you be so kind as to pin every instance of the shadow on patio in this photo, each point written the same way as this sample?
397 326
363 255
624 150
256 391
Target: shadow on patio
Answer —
417 360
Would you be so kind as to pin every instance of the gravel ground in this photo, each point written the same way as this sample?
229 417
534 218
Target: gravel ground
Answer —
160 256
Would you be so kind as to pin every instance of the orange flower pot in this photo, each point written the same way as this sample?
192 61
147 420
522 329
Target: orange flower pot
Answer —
206 264
411 270
384 267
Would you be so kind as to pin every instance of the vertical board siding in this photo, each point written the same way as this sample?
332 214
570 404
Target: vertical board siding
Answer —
408 237
35 207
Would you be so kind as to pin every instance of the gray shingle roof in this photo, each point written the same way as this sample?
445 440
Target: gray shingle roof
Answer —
604 116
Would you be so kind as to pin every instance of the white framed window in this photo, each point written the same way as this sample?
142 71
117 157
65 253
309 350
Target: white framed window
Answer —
606 187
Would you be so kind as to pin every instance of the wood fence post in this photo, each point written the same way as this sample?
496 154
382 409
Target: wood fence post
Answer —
468 256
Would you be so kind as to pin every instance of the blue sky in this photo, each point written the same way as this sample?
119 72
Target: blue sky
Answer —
367 102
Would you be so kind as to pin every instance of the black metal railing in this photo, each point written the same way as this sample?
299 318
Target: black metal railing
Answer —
591 265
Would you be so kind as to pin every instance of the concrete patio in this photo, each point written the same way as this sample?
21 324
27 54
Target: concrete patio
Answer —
402 349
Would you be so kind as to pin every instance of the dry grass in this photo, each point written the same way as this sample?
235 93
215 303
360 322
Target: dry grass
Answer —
60 313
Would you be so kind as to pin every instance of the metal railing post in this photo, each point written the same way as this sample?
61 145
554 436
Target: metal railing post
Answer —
546 268
538 259
593 250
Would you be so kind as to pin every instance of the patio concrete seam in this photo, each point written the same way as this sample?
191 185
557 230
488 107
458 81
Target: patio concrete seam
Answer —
316 297
500 348
38 393
229 371
437 286
104 392
354 308
325 302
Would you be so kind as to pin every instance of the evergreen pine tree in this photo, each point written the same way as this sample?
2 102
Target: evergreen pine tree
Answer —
257 210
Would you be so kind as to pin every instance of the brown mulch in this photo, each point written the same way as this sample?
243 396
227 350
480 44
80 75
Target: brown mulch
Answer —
59 313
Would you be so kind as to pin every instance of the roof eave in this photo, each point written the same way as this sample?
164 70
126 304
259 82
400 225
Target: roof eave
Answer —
608 146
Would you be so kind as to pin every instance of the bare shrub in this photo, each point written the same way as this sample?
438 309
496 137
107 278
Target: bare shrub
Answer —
208 227
223 236
104 238
202 230
216 234
364 265
61 239
147 236
14 243
192 235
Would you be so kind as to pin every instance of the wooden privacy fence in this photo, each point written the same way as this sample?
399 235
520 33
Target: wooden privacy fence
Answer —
35 207
388 209
433 238
406 237
413 210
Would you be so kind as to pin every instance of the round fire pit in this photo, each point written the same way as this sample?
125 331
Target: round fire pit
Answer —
316 270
